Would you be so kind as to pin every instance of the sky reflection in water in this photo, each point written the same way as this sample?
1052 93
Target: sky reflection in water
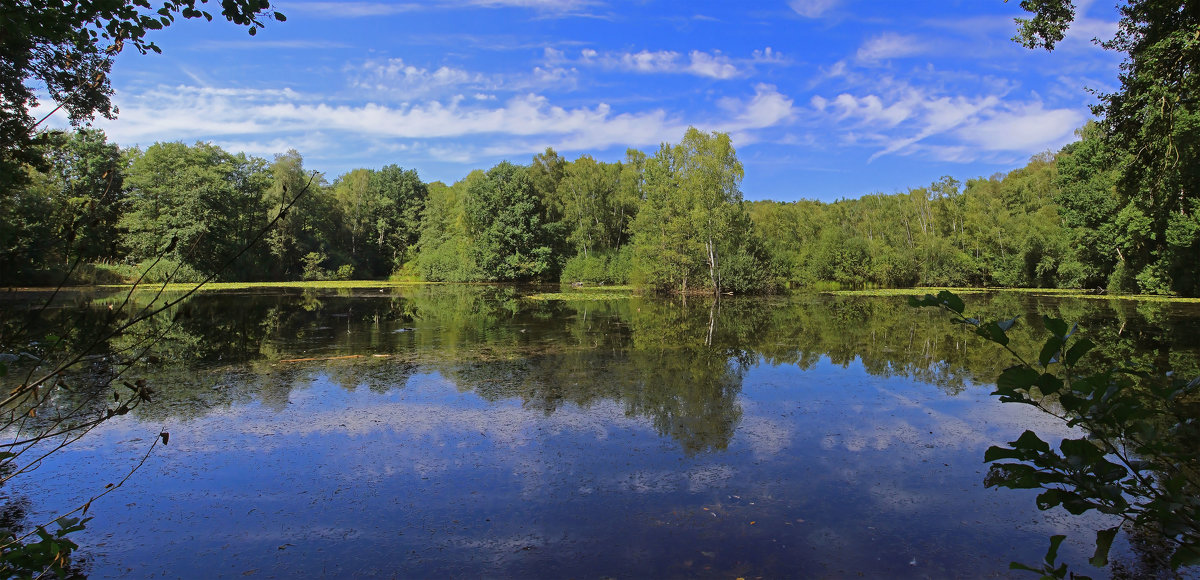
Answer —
619 450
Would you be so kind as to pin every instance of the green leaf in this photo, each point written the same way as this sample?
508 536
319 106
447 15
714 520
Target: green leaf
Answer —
1081 452
1025 567
1104 540
1049 384
1049 499
995 453
1052 553
1185 555
1012 476
1077 350
1018 377
994 333
1050 351
1056 326
952 301
923 301
1029 440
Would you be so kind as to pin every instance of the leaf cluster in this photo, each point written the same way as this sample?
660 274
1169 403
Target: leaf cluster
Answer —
1136 459
66 47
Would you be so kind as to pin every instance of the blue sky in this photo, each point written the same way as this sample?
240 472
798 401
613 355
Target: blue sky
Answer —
824 99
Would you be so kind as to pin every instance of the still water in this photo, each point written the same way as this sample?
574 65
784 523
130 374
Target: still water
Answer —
476 431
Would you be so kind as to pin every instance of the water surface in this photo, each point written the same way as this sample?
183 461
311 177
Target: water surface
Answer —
472 431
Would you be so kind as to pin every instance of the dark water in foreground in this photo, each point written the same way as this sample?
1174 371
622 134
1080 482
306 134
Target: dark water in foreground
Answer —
476 432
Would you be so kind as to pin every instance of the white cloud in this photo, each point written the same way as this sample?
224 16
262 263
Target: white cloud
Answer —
375 9
1023 127
395 77
888 46
699 63
812 8
767 108
237 116
908 120
768 55
711 65
354 9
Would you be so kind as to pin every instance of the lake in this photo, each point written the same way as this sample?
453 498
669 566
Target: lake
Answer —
486 431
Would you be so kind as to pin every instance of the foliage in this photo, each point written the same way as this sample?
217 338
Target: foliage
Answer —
208 200
691 213
1137 457
49 554
444 246
66 49
610 267
504 219
1151 132
399 199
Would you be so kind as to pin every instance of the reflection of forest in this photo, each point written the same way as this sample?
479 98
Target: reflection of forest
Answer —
679 364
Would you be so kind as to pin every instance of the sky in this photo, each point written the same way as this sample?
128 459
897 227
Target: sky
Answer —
824 99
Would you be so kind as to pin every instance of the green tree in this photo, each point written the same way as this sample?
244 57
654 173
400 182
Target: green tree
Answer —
400 198
353 196
1151 125
692 202
309 226
665 251
205 199
66 213
88 173
66 50
445 244
504 218
588 194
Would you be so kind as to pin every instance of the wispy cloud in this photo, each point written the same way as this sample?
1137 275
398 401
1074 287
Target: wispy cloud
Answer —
714 65
397 80
812 8
911 120
889 46
355 9
458 129
374 9
404 80
699 63
237 116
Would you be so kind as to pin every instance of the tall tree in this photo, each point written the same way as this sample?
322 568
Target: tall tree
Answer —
445 253
1152 127
504 218
354 199
588 194
310 226
692 200
203 197
400 199
85 174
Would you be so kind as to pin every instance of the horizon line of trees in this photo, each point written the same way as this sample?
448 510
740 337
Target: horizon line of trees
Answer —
674 220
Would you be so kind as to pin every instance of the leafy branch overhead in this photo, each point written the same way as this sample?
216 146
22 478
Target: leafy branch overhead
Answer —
1136 459
66 48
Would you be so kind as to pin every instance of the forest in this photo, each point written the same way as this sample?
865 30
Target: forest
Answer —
89 211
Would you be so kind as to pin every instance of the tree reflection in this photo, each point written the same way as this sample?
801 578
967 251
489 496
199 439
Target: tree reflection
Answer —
678 364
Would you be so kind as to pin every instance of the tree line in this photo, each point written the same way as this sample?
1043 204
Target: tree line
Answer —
674 220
